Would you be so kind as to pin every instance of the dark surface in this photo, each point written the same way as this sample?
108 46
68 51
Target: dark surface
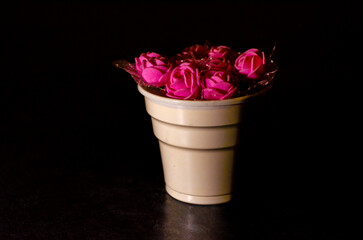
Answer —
78 159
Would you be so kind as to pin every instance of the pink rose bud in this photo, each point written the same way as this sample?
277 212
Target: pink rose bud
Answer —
195 51
153 68
219 64
219 85
184 82
222 52
251 64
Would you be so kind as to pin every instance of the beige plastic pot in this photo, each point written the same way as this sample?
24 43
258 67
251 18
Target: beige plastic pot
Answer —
197 142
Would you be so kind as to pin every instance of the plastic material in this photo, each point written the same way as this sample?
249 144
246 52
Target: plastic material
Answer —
197 142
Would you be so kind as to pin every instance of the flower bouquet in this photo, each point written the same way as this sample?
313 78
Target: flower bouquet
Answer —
203 72
197 100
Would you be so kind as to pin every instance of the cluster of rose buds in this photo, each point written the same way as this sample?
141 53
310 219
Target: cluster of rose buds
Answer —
199 72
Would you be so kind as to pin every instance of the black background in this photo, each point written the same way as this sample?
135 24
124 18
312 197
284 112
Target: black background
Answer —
78 156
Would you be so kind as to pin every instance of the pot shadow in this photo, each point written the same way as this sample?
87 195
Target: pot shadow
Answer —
187 221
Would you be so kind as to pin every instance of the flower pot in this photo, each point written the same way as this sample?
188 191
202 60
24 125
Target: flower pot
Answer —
197 142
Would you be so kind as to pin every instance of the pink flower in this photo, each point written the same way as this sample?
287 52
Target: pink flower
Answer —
196 51
251 64
184 82
221 52
153 68
219 64
219 85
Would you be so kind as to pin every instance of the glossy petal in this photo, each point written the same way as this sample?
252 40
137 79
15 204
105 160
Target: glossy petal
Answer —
152 75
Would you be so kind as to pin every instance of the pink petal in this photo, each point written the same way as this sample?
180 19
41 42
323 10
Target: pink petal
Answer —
248 54
153 54
211 94
253 50
143 58
175 75
216 78
245 67
230 93
182 93
148 64
164 79
186 80
138 65
257 73
209 82
177 85
161 68
256 62
223 86
159 62
151 75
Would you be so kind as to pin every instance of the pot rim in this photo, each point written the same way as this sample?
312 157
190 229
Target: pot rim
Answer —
199 103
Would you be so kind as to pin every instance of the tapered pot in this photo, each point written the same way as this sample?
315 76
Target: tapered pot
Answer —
198 141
